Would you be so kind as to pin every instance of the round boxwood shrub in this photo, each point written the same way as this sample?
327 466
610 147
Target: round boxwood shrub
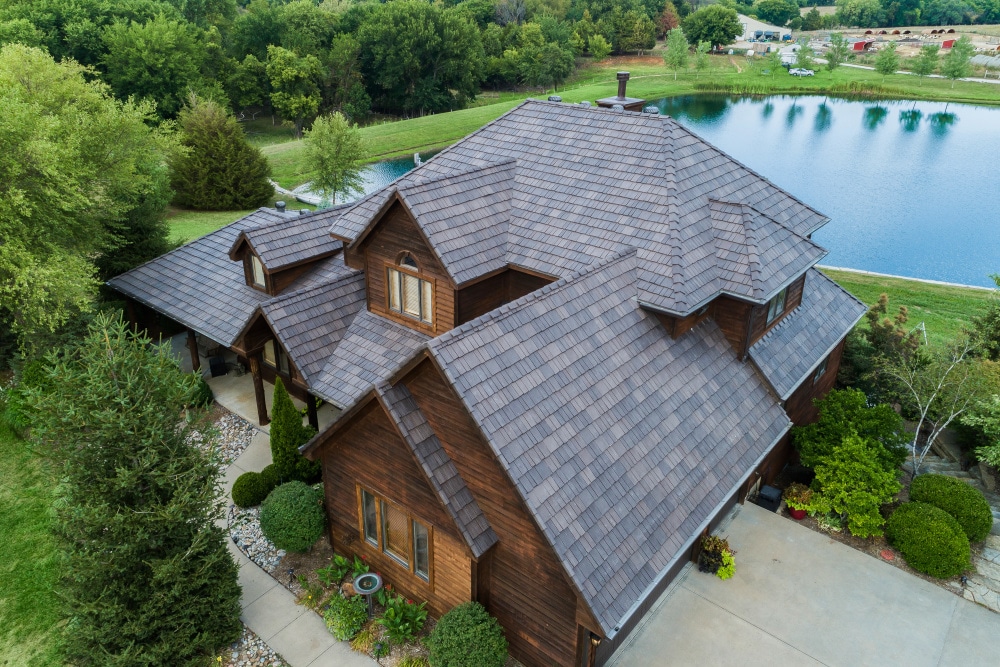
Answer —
958 499
292 516
467 635
271 477
344 617
250 489
930 540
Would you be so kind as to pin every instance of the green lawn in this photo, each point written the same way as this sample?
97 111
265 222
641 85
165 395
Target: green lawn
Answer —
187 225
29 617
944 310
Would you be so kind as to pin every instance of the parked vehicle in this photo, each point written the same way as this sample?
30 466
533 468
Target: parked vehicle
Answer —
798 71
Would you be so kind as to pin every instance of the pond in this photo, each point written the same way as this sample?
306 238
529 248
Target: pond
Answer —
374 177
911 187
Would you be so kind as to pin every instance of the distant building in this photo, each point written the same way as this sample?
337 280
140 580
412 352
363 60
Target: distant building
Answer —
758 31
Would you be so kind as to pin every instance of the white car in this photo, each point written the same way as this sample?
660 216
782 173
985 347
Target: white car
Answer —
798 71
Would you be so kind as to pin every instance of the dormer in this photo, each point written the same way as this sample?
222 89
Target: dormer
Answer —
281 249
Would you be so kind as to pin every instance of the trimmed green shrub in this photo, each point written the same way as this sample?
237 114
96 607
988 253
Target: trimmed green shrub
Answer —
930 540
292 516
966 504
201 393
467 635
250 490
271 477
345 617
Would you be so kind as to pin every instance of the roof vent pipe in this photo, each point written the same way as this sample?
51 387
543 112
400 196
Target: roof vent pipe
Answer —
622 81
555 98
617 107
652 110
280 205
303 211
585 103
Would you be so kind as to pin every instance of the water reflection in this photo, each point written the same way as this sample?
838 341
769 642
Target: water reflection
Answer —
767 110
941 121
824 116
874 116
791 114
910 119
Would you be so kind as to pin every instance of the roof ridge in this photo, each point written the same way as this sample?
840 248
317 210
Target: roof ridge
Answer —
752 243
495 166
529 298
279 298
677 263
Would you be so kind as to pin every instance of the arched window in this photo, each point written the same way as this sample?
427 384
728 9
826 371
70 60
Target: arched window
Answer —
408 293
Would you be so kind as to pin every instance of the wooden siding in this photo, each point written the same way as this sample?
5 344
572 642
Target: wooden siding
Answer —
282 279
678 326
481 297
369 452
395 234
527 589
758 318
745 323
799 405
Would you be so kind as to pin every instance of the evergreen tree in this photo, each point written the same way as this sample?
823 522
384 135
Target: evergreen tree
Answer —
287 435
220 170
147 578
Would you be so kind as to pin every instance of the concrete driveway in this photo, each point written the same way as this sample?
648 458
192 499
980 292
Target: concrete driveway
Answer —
800 598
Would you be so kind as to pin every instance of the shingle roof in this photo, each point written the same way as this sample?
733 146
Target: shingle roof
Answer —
587 183
290 241
793 349
198 285
439 468
310 322
621 440
370 350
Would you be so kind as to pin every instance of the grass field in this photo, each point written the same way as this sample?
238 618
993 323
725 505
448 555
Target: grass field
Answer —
29 618
944 310
187 225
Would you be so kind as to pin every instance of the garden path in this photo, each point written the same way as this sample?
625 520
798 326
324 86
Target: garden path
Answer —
294 632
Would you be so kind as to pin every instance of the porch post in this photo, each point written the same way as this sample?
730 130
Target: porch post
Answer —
130 313
193 348
258 389
311 411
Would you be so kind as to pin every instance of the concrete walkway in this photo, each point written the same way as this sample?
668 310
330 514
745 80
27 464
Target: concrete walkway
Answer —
801 598
294 632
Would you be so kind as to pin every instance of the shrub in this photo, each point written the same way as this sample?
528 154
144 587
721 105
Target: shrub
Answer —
287 434
201 393
250 489
958 499
728 567
271 476
403 619
14 408
412 661
364 640
292 516
930 540
334 573
467 635
345 617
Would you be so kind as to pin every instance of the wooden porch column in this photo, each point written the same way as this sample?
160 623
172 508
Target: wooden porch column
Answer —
311 411
193 348
130 313
258 388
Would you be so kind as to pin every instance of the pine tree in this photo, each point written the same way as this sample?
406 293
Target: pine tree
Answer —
147 578
287 435
219 170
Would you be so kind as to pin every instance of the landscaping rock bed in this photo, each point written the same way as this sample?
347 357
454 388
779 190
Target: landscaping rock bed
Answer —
244 529
251 651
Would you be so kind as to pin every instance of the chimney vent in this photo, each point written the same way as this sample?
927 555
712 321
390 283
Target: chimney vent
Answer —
622 81
555 98
280 205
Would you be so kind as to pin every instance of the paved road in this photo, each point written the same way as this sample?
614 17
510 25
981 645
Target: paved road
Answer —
800 598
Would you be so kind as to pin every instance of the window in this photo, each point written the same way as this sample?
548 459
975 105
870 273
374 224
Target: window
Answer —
258 272
820 370
776 306
275 357
408 294
395 533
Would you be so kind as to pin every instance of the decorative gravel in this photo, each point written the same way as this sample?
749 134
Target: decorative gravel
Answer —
232 436
251 651
244 529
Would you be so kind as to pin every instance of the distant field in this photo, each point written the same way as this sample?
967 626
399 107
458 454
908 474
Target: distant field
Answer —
944 310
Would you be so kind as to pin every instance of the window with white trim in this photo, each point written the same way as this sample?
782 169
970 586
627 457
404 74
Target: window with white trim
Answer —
396 533
409 294
258 272
776 306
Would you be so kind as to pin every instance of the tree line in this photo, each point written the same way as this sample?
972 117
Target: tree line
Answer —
870 13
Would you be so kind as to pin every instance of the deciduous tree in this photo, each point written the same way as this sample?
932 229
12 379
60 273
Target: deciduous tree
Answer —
836 55
887 60
334 153
985 333
676 54
776 12
956 63
147 578
701 61
295 91
926 61
714 24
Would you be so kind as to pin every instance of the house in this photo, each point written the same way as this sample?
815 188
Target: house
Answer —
563 349
758 31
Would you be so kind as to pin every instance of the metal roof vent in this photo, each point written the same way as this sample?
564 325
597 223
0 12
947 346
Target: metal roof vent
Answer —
652 110
555 98
280 205
585 103
617 107
303 211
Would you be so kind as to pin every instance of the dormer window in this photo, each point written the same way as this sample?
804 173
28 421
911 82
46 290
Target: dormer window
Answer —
409 294
258 272
776 306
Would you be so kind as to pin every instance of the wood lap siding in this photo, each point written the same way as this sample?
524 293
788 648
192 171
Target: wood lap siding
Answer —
758 320
371 453
527 587
397 233
745 323
282 279
799 405
482 297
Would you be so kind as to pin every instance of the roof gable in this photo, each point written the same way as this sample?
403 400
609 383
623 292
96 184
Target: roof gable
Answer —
287 242
621 440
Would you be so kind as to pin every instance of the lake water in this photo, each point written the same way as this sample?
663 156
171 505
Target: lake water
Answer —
912 188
